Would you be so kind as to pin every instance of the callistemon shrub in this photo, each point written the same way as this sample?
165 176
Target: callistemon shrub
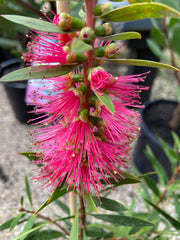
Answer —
88 122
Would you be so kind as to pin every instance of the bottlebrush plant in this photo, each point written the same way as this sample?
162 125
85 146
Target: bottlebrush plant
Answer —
83 140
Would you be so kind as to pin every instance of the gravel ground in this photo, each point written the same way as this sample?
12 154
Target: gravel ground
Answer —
14 138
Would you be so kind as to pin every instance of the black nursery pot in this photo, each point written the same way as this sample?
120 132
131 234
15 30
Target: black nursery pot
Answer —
155 123
16 92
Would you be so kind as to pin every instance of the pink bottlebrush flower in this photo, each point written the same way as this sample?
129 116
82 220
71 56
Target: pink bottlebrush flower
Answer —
72 152
47 48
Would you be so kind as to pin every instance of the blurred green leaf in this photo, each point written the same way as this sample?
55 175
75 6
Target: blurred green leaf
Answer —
22 200
122 220
58 192
172 3
174 186
6 224
46 235
28 226
109 204
176 39
90 202
151 183
176 204
74 234
28 191
98 233
37 72
140 11
63 206
84 235
156 49
162 176
158 36
31 156
106 100
34 23
79 46
30 231
172 220
15 221
176 141
141 62
121 36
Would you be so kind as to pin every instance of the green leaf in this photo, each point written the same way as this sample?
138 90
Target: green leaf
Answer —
106 100
34 23
122 220
22 200
141 62
176 39
153 186
121 36
30 231
176 204
140 11
6 224
155 48
176 141
37 72
79 46
31 156
58 192
28 226
132 1
98 233
158 36
162 176
63 206
90 203
109 204
28 190
15 221
74 234
84 235
127 179
47 235
172 220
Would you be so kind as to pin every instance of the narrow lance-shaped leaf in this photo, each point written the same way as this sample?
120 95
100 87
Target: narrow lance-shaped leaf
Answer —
34 23
28 190
141 62
28 226
58 192
37 72
15 221
90 202
140 11
130 1
74 234
172 220
121 36
109 204
122 220
106 100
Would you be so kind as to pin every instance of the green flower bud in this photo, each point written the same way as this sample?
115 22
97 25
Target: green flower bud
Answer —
87 34
77 77
82 89
78 23
83 116
104 30
93 99
100 51
65 22
80 58
102 8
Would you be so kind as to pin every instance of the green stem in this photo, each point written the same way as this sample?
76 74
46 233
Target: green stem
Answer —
82 214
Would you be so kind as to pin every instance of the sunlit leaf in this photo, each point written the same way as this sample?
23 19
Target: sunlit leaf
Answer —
140 62
15 221
37 72
28 226
34 23
121 36
140 11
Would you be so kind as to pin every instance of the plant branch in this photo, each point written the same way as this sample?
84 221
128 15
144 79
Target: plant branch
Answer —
171 181
30 7
45 218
